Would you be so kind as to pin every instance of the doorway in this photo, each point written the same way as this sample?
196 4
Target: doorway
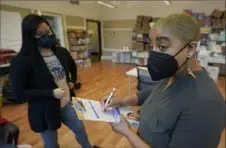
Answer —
96 51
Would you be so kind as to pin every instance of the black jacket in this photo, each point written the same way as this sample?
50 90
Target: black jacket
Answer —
32 80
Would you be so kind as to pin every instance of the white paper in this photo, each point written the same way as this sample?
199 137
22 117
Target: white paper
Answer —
89 114
110 115
10 33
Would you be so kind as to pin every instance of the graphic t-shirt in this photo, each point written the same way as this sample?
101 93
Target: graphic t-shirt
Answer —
59 75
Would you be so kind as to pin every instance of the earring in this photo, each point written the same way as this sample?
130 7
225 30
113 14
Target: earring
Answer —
190 72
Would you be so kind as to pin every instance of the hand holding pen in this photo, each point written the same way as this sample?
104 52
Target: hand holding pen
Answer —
110 101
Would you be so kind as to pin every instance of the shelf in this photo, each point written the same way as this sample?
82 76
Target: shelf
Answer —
218 28
140 57
216 41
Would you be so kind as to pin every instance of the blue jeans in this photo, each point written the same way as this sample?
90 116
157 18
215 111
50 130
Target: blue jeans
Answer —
70 119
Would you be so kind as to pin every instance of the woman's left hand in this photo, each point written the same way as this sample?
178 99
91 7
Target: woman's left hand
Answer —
71 85
122 127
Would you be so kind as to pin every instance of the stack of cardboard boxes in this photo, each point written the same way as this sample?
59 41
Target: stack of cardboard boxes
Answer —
141 31
218 19
142 24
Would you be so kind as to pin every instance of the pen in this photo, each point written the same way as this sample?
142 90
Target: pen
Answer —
110 96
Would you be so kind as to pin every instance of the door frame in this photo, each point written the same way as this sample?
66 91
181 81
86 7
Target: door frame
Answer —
99 32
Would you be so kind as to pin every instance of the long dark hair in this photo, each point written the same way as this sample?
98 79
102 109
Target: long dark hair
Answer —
29 27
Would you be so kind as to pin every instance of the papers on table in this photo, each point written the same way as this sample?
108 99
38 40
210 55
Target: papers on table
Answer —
92 110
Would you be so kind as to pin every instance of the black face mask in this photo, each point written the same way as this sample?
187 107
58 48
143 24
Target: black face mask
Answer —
161 65
46 41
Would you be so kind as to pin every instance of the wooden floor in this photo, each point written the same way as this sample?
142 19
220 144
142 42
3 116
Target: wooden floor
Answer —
97 82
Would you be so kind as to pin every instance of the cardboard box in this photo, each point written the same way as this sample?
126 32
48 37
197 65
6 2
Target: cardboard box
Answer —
224 14
146 21
217 13
138 30
216 22
133 45
140 18
146 47
146 29
138 46
223 23
138 26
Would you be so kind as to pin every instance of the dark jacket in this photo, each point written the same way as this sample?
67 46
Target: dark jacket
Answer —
32 80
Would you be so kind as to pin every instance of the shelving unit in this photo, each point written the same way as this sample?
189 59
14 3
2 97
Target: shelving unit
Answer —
211 53
139 53
140 47
80 46
213 47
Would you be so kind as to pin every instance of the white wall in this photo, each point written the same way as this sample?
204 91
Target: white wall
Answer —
130 9
87 9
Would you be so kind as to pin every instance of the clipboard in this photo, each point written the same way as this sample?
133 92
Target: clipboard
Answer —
91 110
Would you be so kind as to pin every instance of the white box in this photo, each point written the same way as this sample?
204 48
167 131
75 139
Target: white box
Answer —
213 72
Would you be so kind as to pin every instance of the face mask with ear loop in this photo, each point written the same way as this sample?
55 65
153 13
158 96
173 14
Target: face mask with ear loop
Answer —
46 41
161 65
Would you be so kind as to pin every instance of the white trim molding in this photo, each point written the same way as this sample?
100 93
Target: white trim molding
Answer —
111 50
118 29
109 58
102 34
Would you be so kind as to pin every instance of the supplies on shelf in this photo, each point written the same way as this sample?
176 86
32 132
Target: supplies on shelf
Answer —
201 18
217 18
80 46
121 57
130 57
212 51
140 58
140 37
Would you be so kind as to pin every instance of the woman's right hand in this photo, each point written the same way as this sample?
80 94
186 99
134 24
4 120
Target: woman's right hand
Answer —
58 93
113 103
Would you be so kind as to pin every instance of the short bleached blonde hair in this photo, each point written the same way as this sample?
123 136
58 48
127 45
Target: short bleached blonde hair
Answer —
180 25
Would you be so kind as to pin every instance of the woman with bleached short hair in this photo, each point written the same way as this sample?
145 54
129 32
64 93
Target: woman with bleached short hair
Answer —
186 109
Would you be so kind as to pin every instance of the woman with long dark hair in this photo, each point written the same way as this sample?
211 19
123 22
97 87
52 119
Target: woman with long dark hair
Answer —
43 74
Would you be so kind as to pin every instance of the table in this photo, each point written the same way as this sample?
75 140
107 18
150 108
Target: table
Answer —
133 73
